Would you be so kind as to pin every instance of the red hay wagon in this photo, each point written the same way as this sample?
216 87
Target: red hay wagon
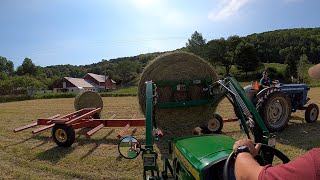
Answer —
63 126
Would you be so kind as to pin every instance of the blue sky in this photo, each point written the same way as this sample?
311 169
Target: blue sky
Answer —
84 32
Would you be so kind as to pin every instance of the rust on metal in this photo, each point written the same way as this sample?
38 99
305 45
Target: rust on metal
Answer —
123 122
126 128
97 128
94 130
230 120
113 116
87 113
42 129
25 127
123 131
83 118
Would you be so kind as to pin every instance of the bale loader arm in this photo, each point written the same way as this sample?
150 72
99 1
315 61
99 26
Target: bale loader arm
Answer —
244 109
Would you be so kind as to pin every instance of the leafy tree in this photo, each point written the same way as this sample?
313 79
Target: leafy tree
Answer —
303 41
231 57
291 70
246 57
9 68
27 68
216 52
6 66
301 67
196 44
222 51
3 76
126 70
20 85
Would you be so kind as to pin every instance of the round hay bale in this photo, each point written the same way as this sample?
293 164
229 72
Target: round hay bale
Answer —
314 71
178 66
88 99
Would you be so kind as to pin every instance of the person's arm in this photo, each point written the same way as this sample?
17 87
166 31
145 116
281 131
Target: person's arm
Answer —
246 167
263 83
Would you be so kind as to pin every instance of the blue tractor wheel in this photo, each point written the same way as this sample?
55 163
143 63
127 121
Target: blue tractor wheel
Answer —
312 113
275 110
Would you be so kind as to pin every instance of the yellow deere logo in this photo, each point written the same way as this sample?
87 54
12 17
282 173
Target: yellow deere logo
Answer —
186 164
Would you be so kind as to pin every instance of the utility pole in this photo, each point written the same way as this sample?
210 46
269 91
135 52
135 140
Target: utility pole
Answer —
105 79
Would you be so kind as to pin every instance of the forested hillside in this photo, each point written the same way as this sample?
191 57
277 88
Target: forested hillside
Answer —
290 46
271 45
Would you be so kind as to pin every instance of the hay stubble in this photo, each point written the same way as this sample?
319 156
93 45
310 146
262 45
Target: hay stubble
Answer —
24 156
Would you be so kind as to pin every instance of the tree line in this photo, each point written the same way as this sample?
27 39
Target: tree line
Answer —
289 46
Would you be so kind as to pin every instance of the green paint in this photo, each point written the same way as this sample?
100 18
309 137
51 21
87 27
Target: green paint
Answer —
131 153
149 108
199 151
256 116
196 152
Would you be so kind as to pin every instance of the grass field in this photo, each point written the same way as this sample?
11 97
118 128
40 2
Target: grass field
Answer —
131 89
27 156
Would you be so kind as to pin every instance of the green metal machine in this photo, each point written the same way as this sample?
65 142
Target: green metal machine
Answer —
207 156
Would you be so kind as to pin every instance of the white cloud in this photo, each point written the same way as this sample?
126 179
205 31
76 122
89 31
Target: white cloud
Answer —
227 9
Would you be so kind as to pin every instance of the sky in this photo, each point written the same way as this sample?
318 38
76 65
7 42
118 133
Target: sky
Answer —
82 32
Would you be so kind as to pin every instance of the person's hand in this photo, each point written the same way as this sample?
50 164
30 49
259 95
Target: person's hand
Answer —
254 149
276 82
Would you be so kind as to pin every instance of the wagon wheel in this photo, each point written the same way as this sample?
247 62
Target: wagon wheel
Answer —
96 116
215 124
312 113
63 135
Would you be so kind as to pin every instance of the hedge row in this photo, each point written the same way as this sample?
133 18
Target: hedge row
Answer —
118 94
54 95
11 98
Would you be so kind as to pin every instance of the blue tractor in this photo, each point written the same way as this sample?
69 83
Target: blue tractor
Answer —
276 103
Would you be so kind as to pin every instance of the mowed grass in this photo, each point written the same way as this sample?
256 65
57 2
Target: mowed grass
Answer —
125 90
27 156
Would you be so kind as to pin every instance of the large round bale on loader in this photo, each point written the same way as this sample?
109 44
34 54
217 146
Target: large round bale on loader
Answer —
178 66
88 99
314 71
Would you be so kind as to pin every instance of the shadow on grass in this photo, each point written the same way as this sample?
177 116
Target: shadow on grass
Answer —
38 137
96 142
104 140
301 135
119 158
134 131
54 154
20 142
41 144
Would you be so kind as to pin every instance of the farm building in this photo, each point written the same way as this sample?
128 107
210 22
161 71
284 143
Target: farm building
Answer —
100 81
90 82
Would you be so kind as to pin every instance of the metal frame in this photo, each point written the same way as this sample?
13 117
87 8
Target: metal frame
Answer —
207 83
84 118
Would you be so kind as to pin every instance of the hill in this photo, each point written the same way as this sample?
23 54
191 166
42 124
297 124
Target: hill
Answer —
268 46
242 57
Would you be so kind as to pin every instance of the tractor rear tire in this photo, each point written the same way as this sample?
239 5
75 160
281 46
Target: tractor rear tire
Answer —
63 135
312 113
275 110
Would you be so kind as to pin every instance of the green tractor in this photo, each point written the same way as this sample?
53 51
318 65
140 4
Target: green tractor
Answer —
207 156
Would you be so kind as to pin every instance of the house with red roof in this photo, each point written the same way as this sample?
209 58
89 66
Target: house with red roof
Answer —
90 82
